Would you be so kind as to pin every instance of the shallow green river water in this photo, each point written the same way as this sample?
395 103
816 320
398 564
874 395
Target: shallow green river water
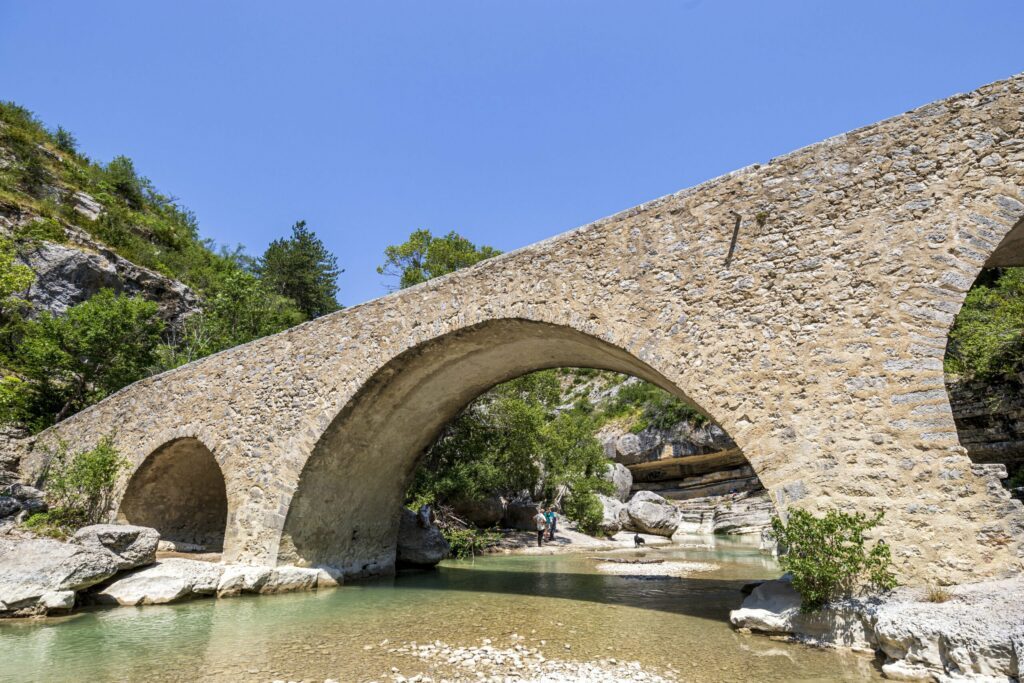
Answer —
675 627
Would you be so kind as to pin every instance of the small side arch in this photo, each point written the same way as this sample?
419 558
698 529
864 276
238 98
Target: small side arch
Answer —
179 490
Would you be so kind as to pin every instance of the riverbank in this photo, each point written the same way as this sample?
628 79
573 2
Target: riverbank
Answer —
967 632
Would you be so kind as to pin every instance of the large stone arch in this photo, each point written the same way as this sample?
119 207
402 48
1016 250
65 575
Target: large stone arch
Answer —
343 513
179 490
803 303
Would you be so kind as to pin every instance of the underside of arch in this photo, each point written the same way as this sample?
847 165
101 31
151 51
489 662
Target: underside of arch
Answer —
179 491
1010 251
343 514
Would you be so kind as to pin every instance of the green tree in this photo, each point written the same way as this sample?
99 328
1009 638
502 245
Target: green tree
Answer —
301 268
987 339
65 141
65 363
240 309
513 438
424 256
121 177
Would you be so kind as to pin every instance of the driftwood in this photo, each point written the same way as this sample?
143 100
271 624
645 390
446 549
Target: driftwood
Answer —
626 560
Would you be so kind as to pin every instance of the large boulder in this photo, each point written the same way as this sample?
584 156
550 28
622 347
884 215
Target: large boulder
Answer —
613 515
420 542
774 607
482 513
519 514
652 514
41 575
166 581
621 478
770 608
131 546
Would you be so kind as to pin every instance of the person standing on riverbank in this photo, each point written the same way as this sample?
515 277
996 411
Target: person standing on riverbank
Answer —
542 524
552 519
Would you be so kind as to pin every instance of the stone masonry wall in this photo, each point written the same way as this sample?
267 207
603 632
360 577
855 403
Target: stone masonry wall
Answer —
818 348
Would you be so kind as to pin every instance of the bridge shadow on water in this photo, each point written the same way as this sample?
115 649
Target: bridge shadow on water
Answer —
695 596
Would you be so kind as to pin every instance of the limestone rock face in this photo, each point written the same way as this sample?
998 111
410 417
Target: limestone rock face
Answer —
482 513
420 544
681 439
744 514
652 514
166 581
131 546
621 478
68 274
37 575
614 515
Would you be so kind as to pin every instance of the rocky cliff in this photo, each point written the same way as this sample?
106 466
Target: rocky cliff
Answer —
70 270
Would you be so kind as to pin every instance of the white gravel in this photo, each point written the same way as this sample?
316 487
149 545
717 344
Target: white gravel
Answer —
515 664
640 569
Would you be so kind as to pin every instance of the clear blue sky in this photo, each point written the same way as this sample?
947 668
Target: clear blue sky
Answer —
506 121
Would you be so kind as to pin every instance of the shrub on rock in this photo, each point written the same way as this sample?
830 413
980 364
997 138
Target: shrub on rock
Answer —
829 556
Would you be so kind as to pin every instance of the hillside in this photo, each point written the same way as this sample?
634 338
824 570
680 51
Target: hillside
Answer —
72 229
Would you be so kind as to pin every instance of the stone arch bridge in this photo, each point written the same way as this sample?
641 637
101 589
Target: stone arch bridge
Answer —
803 304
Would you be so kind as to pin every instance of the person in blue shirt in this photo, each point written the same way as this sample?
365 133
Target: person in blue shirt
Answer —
552 522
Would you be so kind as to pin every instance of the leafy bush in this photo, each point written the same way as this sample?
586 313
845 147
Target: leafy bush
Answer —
828 556
583 507
79 486
35 231
467 543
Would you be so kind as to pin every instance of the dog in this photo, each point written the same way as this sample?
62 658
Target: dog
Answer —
638 542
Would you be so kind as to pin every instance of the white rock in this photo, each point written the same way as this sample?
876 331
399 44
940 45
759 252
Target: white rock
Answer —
652 514
87 205
238 579
613 515
166 581
286 579
130 546
621 478
32 571
771 608
57 601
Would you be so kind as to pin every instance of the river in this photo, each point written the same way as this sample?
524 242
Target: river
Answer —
562 606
